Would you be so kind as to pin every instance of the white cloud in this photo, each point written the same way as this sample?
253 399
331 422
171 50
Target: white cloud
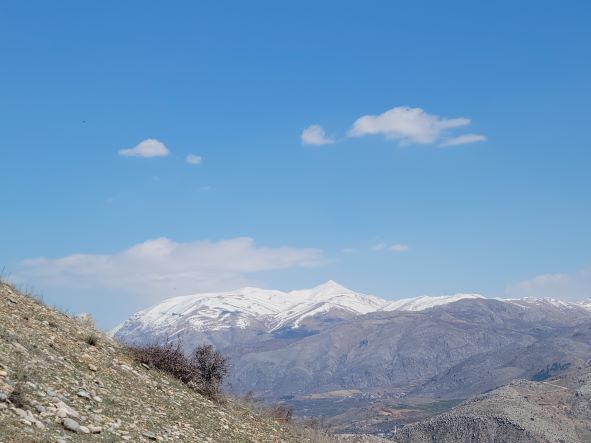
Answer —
193 159
147 148
463 139
407 125
393 248
315 135
347 250
161 267
574 286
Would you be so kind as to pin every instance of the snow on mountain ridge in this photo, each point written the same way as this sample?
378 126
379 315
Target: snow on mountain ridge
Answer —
269 310
425 302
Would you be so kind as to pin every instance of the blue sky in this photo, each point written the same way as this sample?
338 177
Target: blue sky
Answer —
388 208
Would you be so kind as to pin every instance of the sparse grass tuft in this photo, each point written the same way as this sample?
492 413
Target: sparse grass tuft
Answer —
92 339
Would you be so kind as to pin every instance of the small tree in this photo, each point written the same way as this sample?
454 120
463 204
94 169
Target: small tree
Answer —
211 365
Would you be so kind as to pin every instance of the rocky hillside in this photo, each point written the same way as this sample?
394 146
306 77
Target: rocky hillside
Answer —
552 411
62 381
329 338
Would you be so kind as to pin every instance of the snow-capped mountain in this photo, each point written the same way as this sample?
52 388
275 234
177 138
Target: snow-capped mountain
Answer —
331 338
549 303
267 310
426 302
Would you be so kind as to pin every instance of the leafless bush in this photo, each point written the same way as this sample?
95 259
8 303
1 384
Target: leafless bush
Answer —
17 396
212 367
204 370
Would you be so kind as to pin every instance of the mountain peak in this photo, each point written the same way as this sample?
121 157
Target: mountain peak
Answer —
329 288
332 286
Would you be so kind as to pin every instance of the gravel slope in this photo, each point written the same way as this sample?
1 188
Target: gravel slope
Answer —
74 391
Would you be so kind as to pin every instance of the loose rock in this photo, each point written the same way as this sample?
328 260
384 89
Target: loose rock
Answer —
71 425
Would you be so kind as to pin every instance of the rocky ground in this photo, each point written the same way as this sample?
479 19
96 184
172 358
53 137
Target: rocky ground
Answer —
553 411
62 381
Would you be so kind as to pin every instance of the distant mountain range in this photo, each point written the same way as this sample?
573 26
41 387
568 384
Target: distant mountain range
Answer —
265 309
330 342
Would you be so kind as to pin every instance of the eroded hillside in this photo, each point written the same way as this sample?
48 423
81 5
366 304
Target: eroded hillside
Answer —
551 411
56 387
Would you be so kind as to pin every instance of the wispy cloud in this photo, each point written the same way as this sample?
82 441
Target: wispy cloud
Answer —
403 124
147 148
193 159
463 139
315 135
575 286
388 247
161 267
407 125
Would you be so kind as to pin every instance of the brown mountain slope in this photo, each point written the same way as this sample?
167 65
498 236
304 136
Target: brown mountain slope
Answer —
552 411
98 391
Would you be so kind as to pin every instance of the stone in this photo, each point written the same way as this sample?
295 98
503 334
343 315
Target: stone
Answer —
83 430
40 409
21 413
71 425
92 367
84 394
3 373
20 348
95 429
61 406
149 435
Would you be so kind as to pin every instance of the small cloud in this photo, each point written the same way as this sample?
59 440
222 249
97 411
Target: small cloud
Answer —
347 250
398 248
463 139
147 148
315 135
193 159
408 125
393 248
155 178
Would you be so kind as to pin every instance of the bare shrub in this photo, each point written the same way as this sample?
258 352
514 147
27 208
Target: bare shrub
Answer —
204 370
212 367
17 396
169 358
85 319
